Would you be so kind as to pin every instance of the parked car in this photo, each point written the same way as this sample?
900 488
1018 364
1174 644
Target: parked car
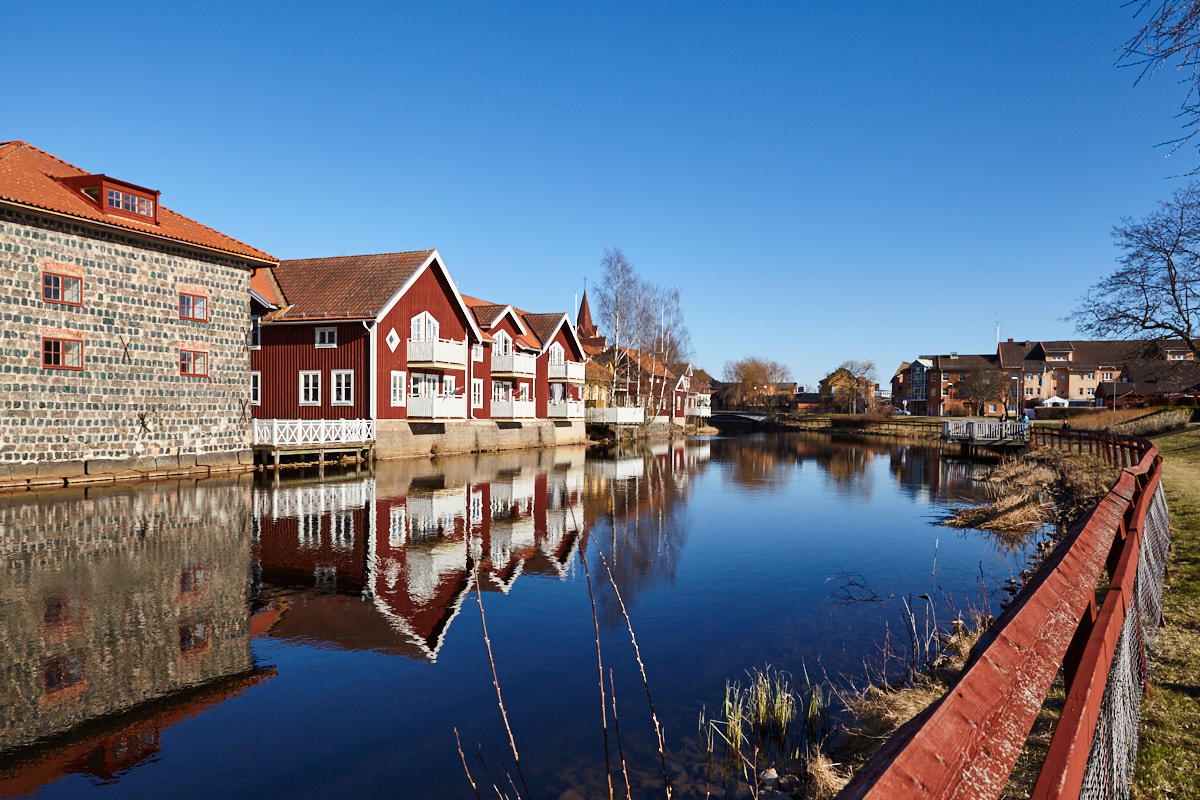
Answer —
904 412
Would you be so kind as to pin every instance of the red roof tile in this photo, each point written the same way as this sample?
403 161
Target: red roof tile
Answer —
33 178
344 287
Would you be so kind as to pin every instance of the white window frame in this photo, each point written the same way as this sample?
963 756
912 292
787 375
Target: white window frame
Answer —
424 327
477 393
504 344
1106 376
398 397
343 393
557 355
255 388
501 390
477 352
325 338
523 392
255 338
448 386
314 386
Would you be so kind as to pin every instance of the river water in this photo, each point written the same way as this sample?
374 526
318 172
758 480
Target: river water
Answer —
233 638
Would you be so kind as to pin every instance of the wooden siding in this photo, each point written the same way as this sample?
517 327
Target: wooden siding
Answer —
542 391
430 292
288 350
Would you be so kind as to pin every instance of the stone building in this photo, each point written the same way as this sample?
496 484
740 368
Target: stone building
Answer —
125 327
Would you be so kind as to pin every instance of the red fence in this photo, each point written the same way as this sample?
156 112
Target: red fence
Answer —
966 743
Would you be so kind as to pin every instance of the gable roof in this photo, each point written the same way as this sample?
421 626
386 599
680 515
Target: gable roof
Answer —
265 289
362 287
34 179
488 315
544 326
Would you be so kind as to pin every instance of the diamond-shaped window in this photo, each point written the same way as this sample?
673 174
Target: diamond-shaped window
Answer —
393 340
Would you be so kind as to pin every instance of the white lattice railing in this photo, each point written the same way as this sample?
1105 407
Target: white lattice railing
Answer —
984 430
290 432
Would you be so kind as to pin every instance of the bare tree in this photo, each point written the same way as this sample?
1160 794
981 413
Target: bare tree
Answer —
1155 291
646 326
980 386
1171 36
755 379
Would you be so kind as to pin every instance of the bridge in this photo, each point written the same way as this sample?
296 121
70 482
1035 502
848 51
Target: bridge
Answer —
986 432
737 418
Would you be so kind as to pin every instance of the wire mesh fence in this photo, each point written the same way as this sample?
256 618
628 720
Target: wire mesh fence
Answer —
1114 744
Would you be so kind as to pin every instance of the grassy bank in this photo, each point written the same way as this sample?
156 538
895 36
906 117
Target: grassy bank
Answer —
1168 764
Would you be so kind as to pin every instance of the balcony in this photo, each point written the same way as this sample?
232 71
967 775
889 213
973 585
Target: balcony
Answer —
633 415
701 411
512 409
571 371
565 409
514 364
299 432
437 407
437 353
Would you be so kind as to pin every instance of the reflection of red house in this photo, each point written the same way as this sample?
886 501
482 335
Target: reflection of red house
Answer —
424 547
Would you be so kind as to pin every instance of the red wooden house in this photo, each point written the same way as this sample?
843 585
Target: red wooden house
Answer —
369 338
506 364
560 367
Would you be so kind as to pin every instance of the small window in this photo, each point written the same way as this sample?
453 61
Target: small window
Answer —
524 391
343 387
326 337
193 307
62 354
1106 376
130 203
424 327
1177 357
397 388
255 388
448 385
63 672
393 340
255 333
65 289
477 352
476 393
193 363
310 388
503 345
193 580
556 354
991 408
193 639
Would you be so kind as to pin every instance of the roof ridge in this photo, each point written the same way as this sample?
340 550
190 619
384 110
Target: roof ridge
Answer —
364 255
26 145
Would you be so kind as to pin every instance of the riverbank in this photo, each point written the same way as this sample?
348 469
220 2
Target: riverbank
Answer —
1168 763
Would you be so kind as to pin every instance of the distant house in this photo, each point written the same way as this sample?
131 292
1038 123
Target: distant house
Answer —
126 326
1029 372
842 390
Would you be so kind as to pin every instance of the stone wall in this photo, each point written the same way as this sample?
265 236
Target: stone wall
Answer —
402 439
129 406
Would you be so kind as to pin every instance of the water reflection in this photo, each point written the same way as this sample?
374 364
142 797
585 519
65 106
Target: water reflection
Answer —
116 599
125 611
406 545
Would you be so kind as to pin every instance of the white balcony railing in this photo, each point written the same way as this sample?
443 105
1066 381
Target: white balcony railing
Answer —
616 416
701 411
297 432
512 409
513 364
567 371
985 430
445 505
437 351
437 407
565 409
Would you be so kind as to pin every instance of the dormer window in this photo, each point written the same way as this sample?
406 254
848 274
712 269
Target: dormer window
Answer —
117 197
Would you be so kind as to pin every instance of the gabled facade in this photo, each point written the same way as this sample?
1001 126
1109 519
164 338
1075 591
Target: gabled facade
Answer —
560 367
126 327
379 337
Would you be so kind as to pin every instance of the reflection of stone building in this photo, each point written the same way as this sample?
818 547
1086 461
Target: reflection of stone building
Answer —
420 530
112 597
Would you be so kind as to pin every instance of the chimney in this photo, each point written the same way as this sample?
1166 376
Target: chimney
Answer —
1010 341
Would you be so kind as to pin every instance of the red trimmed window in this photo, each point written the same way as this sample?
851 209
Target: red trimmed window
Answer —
62 353
63 672
193 306
59 288
193 363
193 639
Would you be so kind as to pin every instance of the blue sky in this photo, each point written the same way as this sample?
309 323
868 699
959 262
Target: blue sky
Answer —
822 181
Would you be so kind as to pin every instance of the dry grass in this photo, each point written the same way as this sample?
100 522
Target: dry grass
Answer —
1167 419
1168 764
1037 488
